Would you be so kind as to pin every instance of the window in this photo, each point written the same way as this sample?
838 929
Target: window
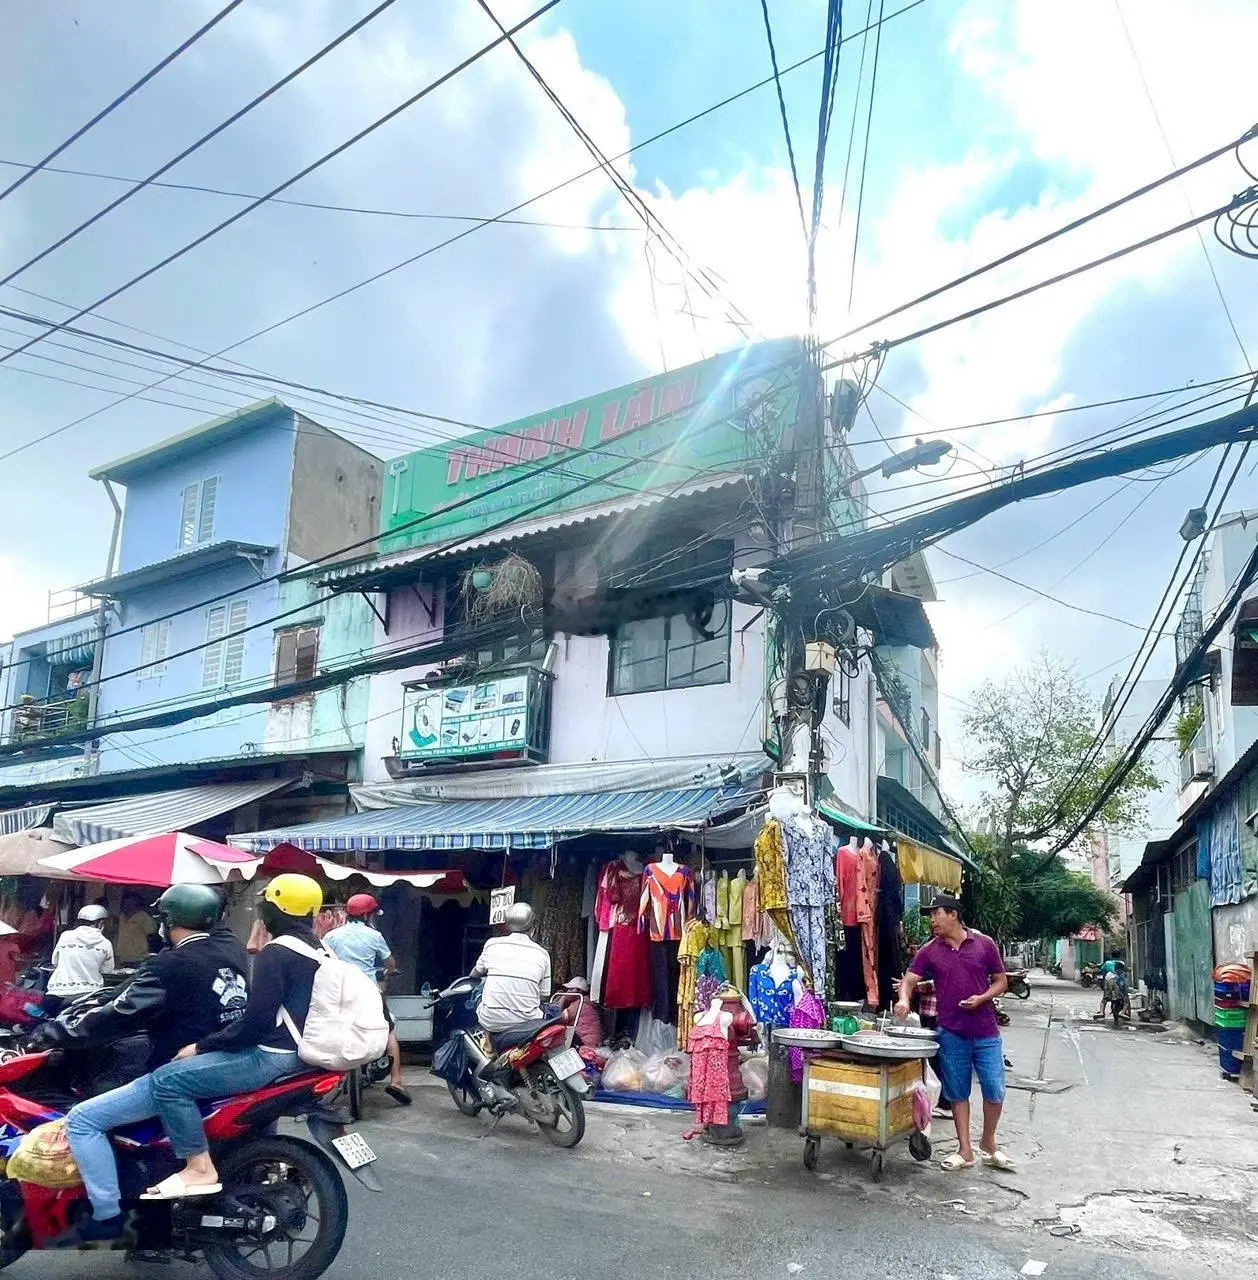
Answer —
224 660
843 696
925 729
668 653
196 520
154 648
296 654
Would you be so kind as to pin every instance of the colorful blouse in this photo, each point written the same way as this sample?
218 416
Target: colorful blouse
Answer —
619 892
771 867
770 1002
667 902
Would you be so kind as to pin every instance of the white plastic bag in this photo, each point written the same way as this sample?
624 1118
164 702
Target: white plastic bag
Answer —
654 1037
755 1072
623 1072
666 1073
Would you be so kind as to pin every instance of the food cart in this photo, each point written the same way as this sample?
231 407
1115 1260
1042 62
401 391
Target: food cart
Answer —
859 1088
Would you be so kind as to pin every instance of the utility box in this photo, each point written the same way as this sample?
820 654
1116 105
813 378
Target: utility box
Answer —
820 658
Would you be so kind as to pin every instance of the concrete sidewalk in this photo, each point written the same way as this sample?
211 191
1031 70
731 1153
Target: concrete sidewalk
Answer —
1125 1138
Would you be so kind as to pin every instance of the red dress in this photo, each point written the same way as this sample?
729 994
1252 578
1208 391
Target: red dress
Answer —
626 976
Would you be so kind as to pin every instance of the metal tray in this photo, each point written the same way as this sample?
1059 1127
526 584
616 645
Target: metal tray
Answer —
806 1038
912 1033
876 1045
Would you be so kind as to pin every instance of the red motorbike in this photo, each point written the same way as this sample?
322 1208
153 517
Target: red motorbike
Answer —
282 1212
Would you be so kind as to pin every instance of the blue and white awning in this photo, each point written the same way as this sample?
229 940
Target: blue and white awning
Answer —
158 812
519 822
33 815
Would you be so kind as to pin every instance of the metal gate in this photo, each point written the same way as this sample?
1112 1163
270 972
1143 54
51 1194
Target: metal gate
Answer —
1194 954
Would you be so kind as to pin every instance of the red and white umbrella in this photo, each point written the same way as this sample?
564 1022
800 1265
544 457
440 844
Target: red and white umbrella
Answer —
157 861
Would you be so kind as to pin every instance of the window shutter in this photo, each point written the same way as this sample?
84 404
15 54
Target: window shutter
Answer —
212 660
239 617
209 496
148 647
188 517
285 657
306 662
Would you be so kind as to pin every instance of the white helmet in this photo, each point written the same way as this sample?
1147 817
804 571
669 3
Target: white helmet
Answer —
93 914
519 918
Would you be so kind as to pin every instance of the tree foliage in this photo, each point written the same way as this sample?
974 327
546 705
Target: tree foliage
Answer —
1029 740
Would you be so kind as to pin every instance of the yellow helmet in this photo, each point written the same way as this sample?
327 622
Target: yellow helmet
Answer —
294 895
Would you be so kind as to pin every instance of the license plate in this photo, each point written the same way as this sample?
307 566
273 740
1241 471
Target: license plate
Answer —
353 1149
565 1063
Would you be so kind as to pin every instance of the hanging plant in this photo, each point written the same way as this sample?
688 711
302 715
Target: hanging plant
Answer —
510 585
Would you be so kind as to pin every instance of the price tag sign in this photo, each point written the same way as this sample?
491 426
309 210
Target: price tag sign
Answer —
499 901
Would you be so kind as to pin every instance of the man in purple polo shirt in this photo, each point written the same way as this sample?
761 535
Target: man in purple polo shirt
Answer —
968 974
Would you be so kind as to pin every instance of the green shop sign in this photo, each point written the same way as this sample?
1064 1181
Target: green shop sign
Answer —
679 427
503 715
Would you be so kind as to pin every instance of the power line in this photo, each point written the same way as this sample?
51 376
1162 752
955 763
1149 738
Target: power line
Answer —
121 98
869 125
325 206
786 123
430 87
825 115
190 150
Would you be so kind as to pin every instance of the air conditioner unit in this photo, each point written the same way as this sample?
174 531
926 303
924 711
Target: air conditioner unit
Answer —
1202 764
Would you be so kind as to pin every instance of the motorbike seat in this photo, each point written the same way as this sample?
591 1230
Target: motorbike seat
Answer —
514 1037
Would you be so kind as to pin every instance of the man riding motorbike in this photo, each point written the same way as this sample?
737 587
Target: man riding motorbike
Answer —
195 986
517 975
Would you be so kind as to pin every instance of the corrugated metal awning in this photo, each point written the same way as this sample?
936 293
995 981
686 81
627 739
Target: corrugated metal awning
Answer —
522 822
14 820
159 811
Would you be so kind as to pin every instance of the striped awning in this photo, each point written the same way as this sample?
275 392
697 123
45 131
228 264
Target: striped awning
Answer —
520 822
158 812
15 820
75 649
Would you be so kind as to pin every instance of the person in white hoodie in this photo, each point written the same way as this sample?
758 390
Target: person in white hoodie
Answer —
81 958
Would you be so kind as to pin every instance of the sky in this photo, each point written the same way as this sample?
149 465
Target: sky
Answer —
993 122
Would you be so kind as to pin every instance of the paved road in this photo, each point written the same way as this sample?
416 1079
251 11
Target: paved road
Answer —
459 1205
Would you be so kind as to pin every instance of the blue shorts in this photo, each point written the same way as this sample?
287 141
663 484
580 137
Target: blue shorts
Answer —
960 1059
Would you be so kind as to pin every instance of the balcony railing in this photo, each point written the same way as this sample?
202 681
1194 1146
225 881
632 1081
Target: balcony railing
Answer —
1197 763
32 721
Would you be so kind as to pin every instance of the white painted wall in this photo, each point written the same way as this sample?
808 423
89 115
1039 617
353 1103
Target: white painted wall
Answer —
1235 932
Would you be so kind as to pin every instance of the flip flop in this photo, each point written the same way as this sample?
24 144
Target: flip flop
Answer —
399 1095
998 1160
174 1188
955 1163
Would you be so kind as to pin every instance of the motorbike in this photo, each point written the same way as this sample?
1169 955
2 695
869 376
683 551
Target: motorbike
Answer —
1019 988
282 1213
1089 974
356 1083
531 1070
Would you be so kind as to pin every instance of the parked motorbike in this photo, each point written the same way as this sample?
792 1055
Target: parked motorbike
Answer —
282 1212
1089 974
1019 988
531 1070
356 1083
1055 969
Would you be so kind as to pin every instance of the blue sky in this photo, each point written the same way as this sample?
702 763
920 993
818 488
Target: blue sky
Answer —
995 121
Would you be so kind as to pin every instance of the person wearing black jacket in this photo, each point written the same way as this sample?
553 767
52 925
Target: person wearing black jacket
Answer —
195 987
254 1050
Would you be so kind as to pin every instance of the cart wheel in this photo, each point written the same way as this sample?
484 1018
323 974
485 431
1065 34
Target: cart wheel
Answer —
875 1166
812 1148
850 1145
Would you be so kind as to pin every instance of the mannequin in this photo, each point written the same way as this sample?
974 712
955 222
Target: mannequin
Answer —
666 906
716 1079
775 986
622 967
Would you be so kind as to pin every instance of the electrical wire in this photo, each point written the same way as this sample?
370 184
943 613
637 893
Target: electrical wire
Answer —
786 123
177 52
825 115
869 125
305 172
202 141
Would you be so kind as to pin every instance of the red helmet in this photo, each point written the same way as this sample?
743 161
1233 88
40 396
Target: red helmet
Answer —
362 906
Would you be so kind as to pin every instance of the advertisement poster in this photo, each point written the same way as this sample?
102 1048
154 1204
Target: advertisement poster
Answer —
468 719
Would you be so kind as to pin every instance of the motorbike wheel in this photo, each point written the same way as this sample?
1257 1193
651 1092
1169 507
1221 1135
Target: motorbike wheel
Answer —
302 1187
1086 980
1021 992
465 1097
354 1093
568 1127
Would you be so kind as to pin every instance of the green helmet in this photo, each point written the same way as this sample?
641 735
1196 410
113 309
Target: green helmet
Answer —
189 906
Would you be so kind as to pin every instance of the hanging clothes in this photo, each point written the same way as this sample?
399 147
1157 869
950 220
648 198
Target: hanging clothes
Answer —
771 1001
694 938
589 896
858 978
667 901
810 871
709 1087
869 928
809 1012
734 933
889 912
771 877
623 965
560 928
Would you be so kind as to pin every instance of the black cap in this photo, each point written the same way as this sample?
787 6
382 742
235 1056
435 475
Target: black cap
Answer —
946 902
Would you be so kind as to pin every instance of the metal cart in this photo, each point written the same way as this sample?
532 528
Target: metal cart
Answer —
860 1091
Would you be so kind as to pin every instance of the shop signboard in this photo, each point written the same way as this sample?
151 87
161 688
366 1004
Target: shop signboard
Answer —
504 713
499 901
691 424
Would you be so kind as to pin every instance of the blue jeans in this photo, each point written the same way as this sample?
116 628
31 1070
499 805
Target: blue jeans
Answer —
87 1127
959 1060
178 1086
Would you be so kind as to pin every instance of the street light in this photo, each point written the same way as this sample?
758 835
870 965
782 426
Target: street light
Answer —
923 454
1194 524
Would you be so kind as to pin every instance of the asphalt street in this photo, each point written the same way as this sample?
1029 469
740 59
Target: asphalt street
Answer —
461 1202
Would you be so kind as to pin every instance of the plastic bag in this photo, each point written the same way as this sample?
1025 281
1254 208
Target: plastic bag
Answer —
623 1072
666 1073
43 1158
450 1060
755 1073
654 1037
925 1099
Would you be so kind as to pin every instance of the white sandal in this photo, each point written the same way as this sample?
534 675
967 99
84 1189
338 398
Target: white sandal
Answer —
998 1160
955 1163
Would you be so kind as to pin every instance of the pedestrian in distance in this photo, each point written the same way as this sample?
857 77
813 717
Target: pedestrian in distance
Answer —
969 975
